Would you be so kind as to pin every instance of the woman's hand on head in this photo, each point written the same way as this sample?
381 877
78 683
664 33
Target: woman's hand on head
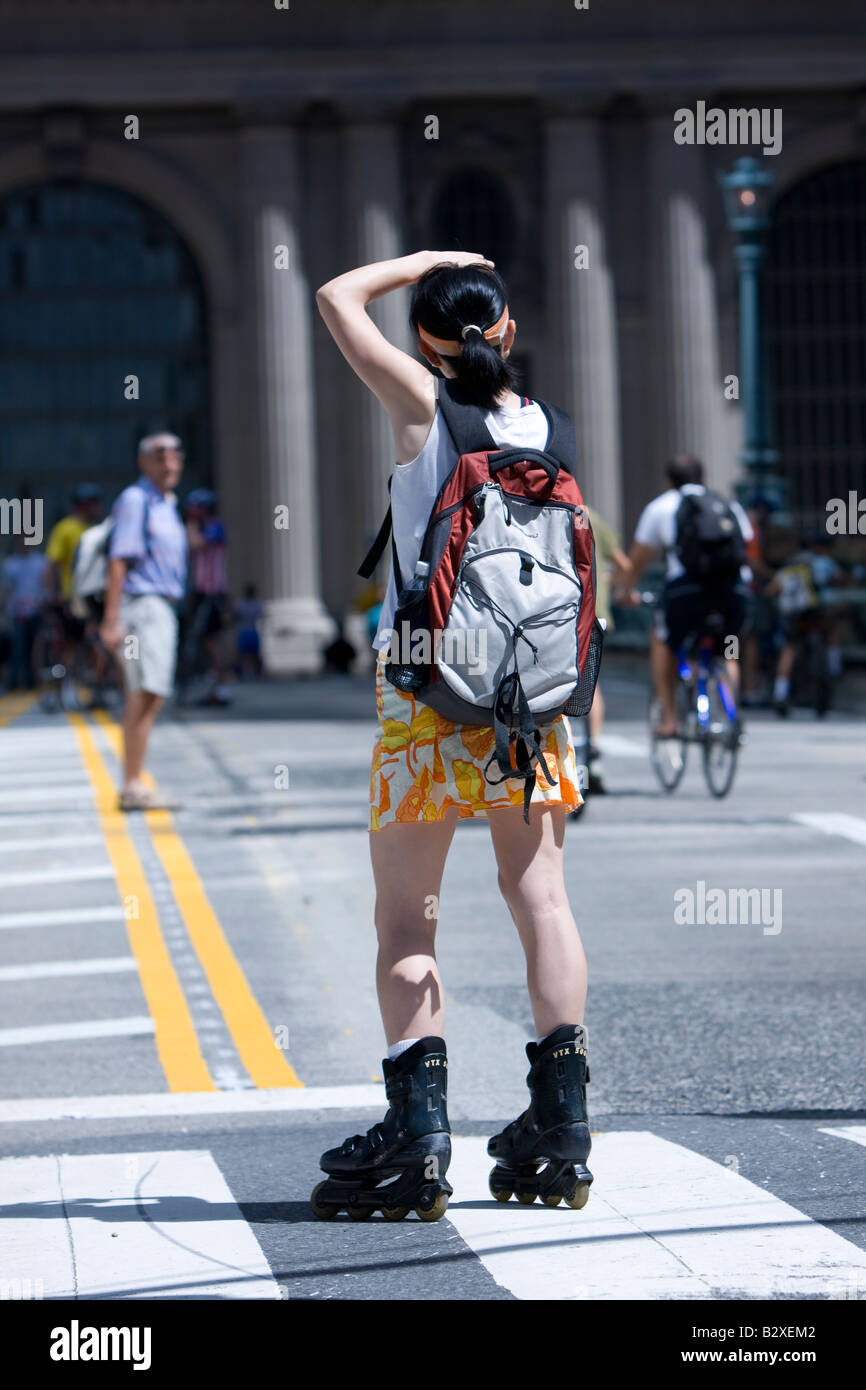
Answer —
459 258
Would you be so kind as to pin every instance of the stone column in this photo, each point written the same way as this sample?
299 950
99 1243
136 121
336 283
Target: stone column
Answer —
375 221
688 385
580 307
296 623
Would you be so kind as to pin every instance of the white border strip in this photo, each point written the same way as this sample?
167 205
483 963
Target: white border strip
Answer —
75 1032
170 1103
834 823
58 969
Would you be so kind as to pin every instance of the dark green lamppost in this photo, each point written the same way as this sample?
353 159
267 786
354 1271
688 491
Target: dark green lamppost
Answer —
746 190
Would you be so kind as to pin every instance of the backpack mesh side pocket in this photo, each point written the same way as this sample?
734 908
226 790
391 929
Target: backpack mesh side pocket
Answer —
580 699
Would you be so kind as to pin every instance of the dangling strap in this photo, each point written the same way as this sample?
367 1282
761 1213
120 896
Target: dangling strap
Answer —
509 708
374 554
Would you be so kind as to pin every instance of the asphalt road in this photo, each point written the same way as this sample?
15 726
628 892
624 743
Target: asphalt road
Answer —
149 965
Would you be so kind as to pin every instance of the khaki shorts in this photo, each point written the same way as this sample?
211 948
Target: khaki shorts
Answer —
148 652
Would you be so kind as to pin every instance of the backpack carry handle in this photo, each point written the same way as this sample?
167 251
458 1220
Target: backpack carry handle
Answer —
505 457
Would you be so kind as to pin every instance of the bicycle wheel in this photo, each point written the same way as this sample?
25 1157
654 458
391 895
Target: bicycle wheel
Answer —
668 755
721 739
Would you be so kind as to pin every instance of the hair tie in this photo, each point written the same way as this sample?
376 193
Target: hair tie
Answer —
452 347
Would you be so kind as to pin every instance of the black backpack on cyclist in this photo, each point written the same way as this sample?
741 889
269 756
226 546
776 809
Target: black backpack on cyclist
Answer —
709 542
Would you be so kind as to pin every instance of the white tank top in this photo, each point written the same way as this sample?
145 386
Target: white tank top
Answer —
416 485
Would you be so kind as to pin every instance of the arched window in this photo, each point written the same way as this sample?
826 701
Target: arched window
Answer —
95 288
816 333
472 211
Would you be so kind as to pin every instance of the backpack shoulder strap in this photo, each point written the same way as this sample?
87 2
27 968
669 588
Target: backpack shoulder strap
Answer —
374 554
145 523
465 421
561 441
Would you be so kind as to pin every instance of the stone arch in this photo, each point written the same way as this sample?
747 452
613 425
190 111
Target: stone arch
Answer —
155 180
808 150
173 190
816 327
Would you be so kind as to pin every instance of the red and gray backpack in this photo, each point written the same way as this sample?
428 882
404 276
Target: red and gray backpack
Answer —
497 627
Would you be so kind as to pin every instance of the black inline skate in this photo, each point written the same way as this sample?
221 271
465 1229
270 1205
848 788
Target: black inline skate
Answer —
543 1152
411 1147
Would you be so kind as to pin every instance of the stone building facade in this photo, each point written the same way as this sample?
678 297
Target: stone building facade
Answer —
274 146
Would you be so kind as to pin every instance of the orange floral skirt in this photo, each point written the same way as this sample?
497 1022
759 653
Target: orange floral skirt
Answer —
424 764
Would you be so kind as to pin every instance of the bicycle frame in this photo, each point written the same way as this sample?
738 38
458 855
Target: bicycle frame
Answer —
706 664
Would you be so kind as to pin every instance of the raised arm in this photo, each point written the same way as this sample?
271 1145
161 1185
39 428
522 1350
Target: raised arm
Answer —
405 388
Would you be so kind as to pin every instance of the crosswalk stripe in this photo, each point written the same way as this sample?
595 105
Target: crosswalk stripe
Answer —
72 1032
618 746
29 820
61 917
47 793
82 873
11 845
131 1226
856 1133
661 1222
57 969
170 1103
23 773
834 823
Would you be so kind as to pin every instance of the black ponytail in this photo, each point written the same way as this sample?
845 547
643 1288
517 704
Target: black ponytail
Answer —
445 301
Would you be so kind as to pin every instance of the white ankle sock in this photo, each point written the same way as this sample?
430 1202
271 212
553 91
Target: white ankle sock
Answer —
548 1035
398 1047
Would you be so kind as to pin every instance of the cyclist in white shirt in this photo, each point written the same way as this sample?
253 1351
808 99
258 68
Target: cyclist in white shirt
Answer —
684 602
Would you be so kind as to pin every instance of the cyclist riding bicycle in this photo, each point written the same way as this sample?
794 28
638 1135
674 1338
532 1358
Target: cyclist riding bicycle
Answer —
703 537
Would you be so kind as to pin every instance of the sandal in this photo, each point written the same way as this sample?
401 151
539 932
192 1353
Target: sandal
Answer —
146 801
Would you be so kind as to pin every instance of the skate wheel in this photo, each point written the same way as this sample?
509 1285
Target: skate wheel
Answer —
502 1194
580 1198
526 1198
436 1212
395 1213
321 1210
360 1213
552 1200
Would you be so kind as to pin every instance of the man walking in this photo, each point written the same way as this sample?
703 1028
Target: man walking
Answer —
146 580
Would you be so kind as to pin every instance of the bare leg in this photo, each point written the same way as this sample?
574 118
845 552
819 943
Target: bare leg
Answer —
785 664
408 861
531 882
596 715
663 665
139 715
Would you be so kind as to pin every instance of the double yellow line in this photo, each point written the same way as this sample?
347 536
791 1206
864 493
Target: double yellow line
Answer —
176 1038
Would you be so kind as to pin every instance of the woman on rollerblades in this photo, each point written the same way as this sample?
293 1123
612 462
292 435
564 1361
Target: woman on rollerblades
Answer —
428 773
